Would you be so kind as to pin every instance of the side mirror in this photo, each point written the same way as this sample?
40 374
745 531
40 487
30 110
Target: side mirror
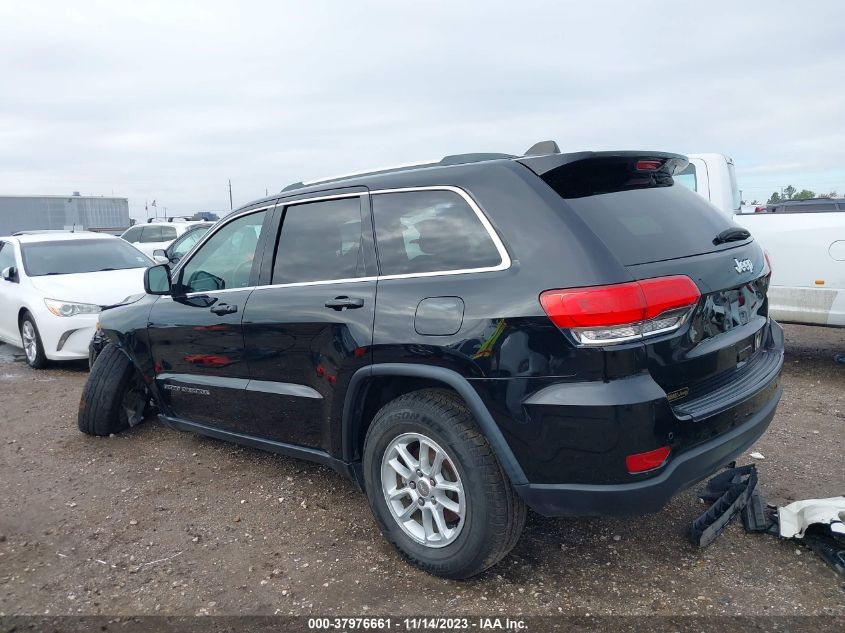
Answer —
9 273
160 252
157 280
160 259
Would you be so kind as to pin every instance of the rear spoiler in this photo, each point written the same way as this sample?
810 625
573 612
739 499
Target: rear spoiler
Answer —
584 174
542 165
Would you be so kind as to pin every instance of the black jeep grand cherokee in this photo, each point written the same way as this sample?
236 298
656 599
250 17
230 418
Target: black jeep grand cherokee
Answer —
574 333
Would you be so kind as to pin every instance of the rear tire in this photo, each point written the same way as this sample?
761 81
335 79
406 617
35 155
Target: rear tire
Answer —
32 346
480 524
112 395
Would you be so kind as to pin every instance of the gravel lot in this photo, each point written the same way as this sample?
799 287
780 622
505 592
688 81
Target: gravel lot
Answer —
159 522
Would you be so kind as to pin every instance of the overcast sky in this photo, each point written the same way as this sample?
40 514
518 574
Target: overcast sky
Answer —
168 100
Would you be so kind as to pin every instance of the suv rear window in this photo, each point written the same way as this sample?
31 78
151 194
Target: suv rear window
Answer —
640 219
430 231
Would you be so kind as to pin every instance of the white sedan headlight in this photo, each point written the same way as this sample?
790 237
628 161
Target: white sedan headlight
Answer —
69 309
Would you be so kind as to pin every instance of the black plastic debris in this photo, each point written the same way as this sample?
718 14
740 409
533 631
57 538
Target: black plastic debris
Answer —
754 515
828 545
730 493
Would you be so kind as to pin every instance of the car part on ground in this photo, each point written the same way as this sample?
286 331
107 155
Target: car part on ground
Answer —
817 523
729 493
795 518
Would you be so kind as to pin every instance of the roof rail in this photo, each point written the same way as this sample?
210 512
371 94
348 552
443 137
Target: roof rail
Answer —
538 149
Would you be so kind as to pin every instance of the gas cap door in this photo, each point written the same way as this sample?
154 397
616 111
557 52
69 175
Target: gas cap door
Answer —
439 316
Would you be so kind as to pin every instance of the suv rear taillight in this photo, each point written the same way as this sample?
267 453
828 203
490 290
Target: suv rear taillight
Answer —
602 315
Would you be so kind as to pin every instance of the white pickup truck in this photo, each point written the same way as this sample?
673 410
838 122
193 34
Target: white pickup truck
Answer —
806 247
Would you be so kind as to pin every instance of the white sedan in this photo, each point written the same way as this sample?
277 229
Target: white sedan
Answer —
54 284
154 236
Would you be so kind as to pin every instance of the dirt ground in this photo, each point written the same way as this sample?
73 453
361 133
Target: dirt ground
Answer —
159 522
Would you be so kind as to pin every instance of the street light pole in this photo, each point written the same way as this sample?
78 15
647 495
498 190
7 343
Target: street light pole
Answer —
230 195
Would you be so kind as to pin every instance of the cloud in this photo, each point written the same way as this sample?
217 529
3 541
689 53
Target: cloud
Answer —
169 100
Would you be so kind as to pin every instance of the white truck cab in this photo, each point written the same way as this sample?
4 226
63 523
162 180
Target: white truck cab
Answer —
806 249
713 176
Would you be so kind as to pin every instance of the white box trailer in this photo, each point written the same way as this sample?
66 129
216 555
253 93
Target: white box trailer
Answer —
32 213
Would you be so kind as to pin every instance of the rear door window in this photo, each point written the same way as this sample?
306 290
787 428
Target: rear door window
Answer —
168 233
151 234
319 241
428 232
133 235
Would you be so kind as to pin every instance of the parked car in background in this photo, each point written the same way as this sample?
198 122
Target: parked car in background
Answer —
804 239
154 236
178 249
811 205
574 333
806 245
53 285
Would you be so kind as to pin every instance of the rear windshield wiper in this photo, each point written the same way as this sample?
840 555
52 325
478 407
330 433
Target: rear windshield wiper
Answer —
733 234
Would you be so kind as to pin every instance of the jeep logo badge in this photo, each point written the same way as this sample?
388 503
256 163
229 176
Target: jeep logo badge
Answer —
743 266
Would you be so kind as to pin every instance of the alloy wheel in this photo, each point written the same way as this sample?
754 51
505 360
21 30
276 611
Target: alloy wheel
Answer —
30 341
423 490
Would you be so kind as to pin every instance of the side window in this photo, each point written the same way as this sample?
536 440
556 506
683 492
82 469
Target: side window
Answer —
687 177
319 241
816 207
151 234
430 231
225 260
168 233
133 235
7 255
186 243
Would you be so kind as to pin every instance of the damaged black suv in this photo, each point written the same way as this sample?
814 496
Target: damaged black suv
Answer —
573 333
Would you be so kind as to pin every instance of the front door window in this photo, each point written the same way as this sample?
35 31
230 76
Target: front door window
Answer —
225 260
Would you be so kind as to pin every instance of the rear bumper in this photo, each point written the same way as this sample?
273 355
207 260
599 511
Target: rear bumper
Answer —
582 432
650 495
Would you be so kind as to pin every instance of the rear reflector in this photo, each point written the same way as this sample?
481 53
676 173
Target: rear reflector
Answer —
622 312
641 462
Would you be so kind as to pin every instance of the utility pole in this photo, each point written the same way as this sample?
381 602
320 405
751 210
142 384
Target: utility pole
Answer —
231 206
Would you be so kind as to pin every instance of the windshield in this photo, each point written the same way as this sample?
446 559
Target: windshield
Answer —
67 257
